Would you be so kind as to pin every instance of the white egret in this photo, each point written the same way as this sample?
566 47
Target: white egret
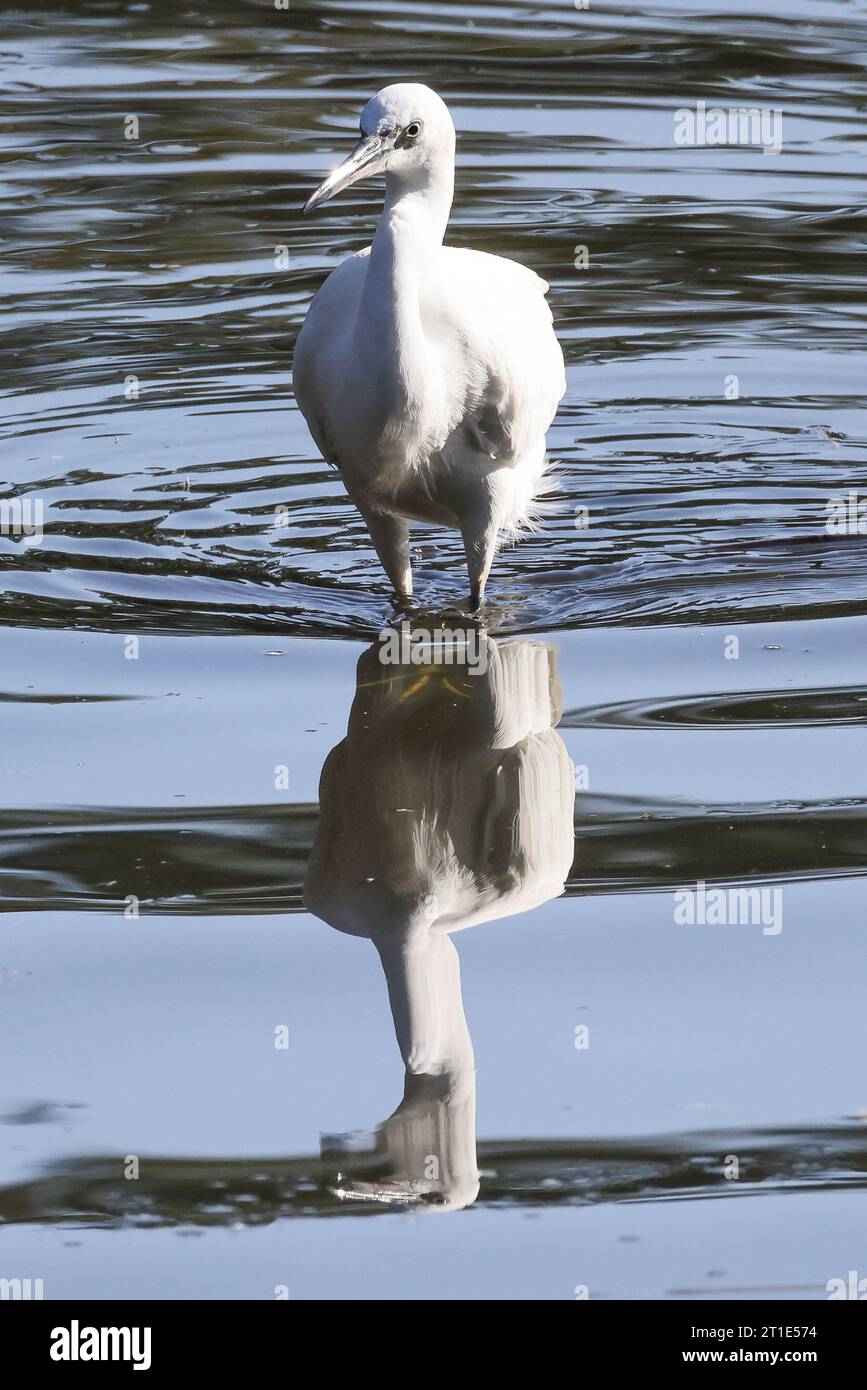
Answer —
428 374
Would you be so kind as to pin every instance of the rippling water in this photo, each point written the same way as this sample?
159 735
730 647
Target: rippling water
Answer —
152 288
154 259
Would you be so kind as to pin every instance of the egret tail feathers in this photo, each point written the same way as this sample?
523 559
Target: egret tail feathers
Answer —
529 509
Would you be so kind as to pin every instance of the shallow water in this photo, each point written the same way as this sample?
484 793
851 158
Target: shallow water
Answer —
148 327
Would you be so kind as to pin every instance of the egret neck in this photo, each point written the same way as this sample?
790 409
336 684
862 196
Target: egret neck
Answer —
407 239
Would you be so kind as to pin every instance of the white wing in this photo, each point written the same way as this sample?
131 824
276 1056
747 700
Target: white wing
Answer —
502 372
317 365
515 375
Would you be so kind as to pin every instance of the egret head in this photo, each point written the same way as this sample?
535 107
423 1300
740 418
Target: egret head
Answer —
406 131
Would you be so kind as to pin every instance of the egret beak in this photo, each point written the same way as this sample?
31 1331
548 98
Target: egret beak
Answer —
367 158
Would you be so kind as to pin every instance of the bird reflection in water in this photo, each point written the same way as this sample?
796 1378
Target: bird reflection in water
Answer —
449 803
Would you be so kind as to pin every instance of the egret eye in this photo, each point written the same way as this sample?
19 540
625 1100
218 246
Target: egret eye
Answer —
412 130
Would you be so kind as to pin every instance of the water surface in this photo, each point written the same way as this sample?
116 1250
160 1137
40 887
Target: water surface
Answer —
152 289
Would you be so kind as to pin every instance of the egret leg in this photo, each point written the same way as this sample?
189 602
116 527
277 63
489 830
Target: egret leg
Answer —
390 536
480 544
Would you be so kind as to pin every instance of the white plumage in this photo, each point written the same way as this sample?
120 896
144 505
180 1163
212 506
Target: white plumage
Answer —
428 374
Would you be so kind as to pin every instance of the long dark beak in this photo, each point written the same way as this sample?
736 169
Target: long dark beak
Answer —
367 158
